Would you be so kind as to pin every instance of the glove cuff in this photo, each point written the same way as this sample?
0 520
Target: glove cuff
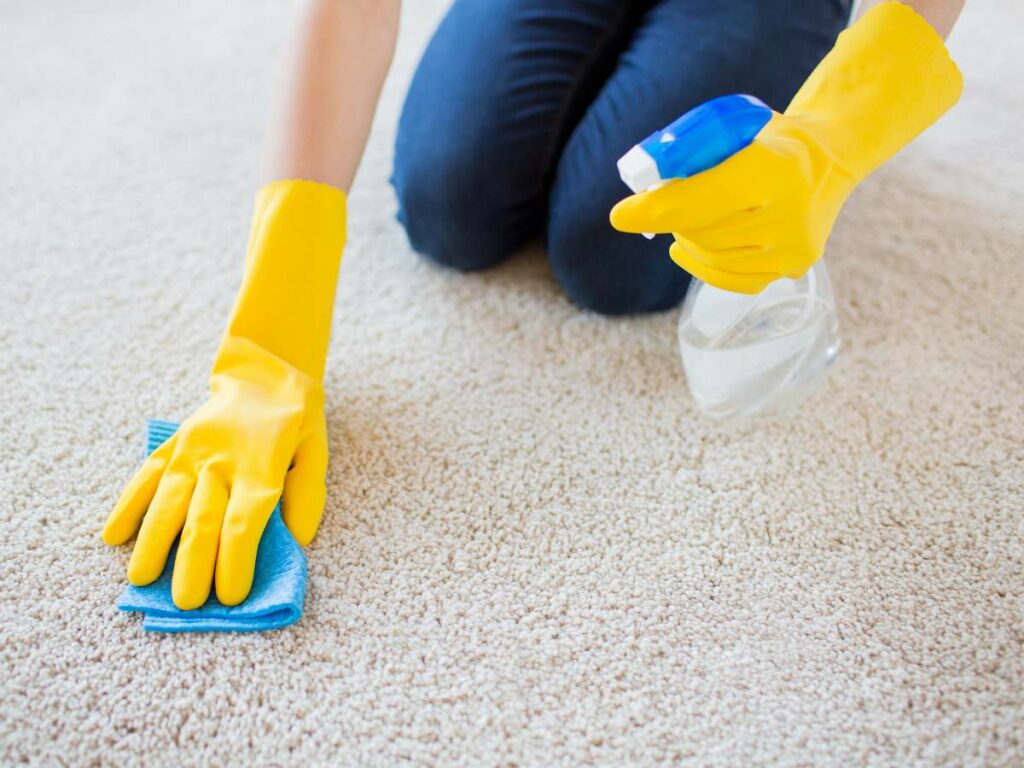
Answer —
291 271
887 79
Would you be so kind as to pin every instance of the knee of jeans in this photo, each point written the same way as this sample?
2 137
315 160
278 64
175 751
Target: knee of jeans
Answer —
446 216
609 272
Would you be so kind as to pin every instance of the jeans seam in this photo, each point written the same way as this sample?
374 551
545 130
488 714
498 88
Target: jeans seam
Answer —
550 165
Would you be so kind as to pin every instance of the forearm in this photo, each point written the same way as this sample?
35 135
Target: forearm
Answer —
941 14
339 58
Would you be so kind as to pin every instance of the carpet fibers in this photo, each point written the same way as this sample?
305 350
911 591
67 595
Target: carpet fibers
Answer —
535 552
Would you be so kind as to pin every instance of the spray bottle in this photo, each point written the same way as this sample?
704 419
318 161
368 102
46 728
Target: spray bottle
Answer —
742 354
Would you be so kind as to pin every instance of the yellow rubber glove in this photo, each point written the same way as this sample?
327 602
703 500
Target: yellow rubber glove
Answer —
767 211
261 435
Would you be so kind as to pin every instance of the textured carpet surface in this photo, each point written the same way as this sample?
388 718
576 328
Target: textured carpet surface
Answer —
535 552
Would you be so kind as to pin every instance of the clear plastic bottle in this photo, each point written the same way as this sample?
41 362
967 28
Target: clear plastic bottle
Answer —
745 355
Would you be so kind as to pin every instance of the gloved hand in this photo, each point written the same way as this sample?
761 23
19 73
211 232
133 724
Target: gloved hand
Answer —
261 435
767 211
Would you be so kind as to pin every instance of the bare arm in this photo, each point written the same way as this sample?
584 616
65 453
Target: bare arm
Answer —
941 14
340 56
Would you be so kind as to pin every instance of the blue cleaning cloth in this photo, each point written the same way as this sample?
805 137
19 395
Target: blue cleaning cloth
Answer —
278 586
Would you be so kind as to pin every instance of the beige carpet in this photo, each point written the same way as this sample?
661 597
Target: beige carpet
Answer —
535 553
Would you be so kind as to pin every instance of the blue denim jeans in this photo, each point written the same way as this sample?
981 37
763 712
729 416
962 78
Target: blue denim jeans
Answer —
520 108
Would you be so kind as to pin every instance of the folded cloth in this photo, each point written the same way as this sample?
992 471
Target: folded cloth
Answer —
278 586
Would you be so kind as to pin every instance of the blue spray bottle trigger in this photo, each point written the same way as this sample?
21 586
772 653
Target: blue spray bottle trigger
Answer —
697 141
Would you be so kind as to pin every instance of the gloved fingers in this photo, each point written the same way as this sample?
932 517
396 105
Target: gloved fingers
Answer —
694 260
124 519
746 229
248 510
197 550
741 259
684 204
160 527
305 492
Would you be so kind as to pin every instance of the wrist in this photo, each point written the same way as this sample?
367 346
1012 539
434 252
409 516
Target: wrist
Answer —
887 79
291 268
